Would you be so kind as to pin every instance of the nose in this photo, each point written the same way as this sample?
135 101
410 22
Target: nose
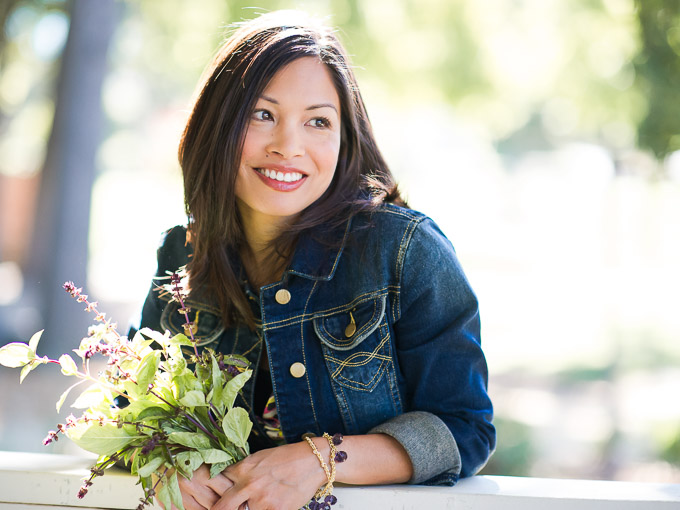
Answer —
286 141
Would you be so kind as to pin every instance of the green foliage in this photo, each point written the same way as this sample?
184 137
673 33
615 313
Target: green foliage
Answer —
658 67
514 454
177 419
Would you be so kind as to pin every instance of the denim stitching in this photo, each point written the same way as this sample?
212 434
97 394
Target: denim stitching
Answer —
330 311
254 345
349 361
201 341
304 358
401 256
367 329
347 415
347 342
365 387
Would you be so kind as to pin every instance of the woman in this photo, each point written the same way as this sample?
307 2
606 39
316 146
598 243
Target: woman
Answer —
301 255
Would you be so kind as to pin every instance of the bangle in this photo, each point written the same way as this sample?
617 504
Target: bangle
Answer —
326 491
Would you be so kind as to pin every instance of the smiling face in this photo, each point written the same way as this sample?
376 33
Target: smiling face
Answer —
291 145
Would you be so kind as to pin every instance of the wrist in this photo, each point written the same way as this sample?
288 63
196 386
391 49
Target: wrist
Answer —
324 449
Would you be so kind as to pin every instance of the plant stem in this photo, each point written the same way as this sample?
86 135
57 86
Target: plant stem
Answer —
188 417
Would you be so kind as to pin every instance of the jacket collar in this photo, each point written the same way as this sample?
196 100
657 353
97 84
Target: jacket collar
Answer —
315 260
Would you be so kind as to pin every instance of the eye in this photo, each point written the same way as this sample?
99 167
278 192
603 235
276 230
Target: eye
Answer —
320 122
263 115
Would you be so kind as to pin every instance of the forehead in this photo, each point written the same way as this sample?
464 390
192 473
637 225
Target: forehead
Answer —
305 80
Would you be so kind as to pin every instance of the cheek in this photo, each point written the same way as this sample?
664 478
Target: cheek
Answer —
328 156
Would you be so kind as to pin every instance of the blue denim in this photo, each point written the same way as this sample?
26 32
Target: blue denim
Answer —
413 368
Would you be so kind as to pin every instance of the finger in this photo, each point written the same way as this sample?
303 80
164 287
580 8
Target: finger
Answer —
190 503
231 500
199 493
206 497
220 484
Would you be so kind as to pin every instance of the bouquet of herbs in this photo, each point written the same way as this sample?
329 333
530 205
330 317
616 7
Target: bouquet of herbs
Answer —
180 410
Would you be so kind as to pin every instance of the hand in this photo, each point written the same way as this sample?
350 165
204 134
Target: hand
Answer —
202 492
281 478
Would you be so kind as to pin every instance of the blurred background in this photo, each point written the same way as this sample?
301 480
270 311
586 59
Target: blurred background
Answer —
542 135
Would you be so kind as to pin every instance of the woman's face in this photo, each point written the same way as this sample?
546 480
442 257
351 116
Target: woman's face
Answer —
292 143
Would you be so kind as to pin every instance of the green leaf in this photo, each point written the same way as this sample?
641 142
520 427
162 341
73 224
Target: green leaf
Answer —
68 366
181 339
214 456
132 389
175 494
150 466
25 371
60 402
236 359
101 439
193 398
33 342
16 354
128 455
232 388
158 337
216 469
190 439
139 344
92 397
152 413
189 462
216 379
187 381
237 426
164 496
147 370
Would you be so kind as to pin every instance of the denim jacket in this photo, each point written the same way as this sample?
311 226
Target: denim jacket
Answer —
410 366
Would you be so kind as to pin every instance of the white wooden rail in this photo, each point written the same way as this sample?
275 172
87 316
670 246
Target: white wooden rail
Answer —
30 481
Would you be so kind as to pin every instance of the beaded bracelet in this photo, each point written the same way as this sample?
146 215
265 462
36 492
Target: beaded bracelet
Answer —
326 491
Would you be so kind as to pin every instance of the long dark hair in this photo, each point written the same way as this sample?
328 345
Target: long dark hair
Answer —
211 145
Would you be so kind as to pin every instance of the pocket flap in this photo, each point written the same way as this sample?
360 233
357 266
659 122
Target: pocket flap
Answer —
332 329
207 323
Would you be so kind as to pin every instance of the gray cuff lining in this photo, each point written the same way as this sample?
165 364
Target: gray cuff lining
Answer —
428 442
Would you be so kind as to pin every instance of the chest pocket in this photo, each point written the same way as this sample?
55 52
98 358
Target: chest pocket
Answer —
207 325
356 344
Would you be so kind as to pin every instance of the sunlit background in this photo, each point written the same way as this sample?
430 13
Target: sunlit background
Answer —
542 135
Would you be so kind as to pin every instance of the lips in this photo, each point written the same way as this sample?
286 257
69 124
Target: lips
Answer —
281 178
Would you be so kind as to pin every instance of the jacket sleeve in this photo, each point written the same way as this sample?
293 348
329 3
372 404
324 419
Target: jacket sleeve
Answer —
172 253
446 429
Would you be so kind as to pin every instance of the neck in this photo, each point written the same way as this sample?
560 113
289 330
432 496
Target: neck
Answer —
259 259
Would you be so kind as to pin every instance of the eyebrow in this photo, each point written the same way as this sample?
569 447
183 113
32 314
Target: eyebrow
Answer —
311 107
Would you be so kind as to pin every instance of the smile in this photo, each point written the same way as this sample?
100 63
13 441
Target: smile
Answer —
280 176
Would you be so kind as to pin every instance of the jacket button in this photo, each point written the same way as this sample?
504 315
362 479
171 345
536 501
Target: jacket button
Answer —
297 370
282 296
307 434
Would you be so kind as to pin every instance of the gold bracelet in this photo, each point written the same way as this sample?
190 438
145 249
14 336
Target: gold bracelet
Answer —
326 490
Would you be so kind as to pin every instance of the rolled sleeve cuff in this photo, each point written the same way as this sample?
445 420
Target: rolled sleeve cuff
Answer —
429 444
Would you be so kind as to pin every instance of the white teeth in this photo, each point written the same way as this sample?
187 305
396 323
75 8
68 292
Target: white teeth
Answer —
280 176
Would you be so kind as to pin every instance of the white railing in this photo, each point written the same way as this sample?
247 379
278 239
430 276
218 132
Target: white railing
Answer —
31 481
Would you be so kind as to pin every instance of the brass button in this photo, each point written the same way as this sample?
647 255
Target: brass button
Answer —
297 370
282 296
307 434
